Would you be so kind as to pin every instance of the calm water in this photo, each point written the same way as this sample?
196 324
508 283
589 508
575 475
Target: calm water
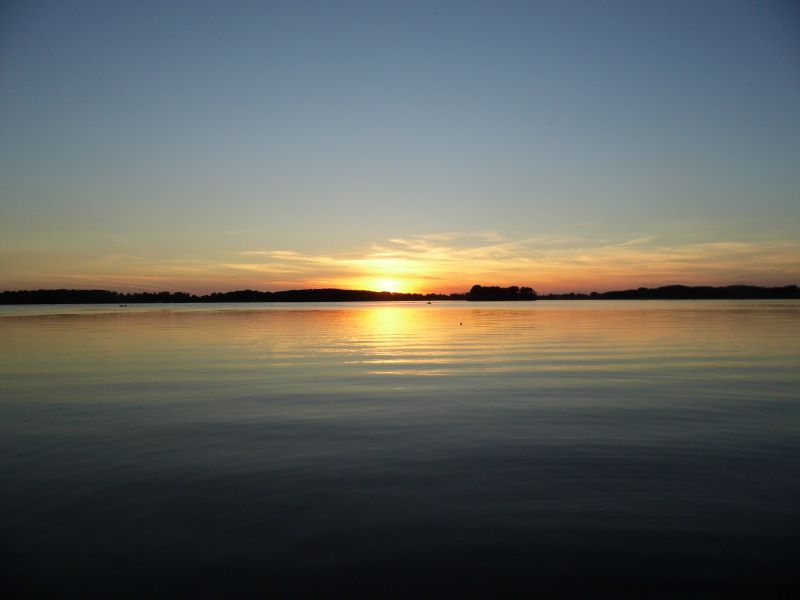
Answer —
554 448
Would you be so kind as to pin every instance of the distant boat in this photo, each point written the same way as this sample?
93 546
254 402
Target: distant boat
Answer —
429 301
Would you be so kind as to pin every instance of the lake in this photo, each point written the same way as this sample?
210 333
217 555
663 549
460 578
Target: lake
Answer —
552 448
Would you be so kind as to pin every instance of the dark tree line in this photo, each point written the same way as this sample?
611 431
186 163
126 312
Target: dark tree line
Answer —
477 293
109 297
493 292
684 292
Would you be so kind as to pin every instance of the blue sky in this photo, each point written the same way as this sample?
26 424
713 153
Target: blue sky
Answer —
564 145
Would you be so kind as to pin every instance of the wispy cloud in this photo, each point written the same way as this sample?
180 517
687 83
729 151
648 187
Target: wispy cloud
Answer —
450 261
454 260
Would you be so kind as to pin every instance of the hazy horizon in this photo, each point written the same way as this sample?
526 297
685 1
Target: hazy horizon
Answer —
421 292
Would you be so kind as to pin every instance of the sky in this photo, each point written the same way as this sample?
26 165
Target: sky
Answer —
567 146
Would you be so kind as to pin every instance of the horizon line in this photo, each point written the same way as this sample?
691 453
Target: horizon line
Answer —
638 288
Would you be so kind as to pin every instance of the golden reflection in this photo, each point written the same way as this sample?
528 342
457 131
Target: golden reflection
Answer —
388 321
413 338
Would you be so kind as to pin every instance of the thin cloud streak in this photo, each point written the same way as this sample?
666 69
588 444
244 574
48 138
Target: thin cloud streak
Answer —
454 261
446 262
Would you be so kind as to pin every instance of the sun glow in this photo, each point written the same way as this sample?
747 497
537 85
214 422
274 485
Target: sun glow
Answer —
388 285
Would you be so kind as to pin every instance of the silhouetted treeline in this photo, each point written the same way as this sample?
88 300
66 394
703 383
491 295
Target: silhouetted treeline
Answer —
493 292
108 297
684 292
90 297
321 295
477 293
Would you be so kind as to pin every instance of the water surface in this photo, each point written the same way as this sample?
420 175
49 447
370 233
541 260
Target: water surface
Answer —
557 448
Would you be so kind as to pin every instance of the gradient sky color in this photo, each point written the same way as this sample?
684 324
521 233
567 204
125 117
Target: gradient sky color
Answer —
569 146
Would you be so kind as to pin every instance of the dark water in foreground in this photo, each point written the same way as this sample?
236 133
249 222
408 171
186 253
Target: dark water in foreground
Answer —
552 448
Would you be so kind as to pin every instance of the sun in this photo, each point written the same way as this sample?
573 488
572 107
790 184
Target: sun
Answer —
388 285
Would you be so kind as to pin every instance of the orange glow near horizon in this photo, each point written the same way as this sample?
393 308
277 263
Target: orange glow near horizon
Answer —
389 285
438 263
378 283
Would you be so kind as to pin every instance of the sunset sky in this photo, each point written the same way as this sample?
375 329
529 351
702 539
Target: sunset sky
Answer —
569 146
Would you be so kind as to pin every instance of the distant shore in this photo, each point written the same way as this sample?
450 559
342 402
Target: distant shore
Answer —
476 294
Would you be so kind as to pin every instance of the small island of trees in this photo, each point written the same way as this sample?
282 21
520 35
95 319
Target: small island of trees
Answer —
493 292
